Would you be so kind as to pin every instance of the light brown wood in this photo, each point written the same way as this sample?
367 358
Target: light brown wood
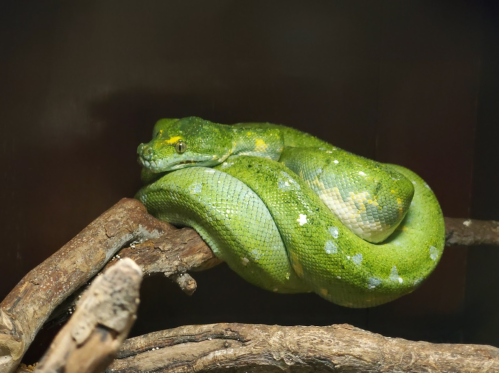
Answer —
264 348
103 317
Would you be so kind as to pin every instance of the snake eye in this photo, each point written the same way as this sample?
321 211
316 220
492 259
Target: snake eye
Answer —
180 146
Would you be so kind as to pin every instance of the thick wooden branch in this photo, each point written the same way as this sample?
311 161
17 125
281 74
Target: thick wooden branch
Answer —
103 317
173 254
263 348
170 251
29 304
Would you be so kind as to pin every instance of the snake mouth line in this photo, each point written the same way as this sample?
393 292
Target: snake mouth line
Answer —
157 166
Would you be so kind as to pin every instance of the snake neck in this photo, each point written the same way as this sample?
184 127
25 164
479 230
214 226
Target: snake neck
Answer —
259 142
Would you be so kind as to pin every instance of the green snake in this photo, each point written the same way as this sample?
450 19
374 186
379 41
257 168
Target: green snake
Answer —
291 213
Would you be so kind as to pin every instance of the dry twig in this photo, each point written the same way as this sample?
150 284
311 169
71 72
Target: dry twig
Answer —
103 317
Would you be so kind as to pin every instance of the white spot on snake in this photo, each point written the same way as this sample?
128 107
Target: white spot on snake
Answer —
394 275
362 173
330 247
275 290
289 183
227 164
348 257
338 277
373 282
414 182
333 231
417 281
195 188
210 171
328 151
433 253
427 186
245 261
357 259
336 161
467 223
143 198
256 255
283 184
302 219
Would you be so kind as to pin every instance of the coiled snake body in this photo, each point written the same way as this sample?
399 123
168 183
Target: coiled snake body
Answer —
291 213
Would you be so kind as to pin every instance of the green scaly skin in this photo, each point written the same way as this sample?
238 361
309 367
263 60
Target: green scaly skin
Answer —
291 213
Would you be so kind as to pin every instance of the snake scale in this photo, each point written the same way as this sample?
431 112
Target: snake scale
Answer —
291 213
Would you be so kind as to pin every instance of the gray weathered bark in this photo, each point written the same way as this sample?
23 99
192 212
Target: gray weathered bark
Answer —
102 320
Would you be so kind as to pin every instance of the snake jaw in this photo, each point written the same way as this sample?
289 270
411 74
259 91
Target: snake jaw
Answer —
158 165
157 158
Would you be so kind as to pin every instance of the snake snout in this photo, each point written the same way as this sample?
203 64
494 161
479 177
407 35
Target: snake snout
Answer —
145 152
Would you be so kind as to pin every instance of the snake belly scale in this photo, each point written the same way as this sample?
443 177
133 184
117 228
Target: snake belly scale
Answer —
291 213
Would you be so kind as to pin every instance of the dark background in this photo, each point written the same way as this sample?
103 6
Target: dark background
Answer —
408 82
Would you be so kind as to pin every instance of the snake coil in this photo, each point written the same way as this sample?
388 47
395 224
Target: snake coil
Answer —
291 213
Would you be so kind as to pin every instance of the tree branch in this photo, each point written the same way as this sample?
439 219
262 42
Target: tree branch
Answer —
169 250
263 348
103 317
29 304
470 232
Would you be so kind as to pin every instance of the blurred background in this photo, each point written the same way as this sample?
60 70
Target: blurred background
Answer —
413 82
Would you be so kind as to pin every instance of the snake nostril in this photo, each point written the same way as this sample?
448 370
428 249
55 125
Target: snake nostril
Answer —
145 151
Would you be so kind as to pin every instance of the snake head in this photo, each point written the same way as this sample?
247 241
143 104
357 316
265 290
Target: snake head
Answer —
186 142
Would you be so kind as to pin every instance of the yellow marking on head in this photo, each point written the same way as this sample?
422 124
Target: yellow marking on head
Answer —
172 140
399 201
393 191
260 145
249 133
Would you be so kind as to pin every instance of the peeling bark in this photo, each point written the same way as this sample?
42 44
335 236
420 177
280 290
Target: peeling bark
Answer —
103 318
